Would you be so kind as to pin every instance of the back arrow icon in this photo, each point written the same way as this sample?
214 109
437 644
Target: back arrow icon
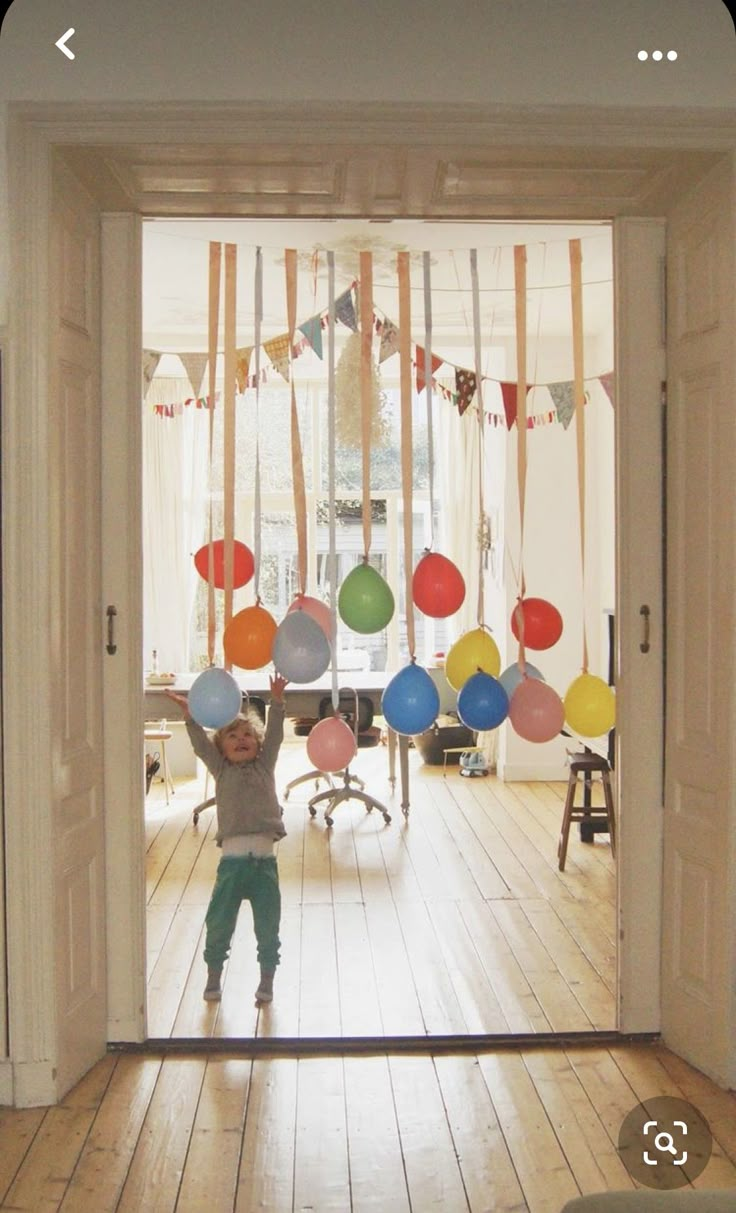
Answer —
62 44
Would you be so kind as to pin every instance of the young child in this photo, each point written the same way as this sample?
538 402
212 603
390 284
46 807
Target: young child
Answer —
242 758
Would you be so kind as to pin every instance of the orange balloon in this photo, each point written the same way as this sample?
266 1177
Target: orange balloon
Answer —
248 638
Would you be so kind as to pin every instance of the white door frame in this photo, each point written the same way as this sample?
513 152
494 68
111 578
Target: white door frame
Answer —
35 130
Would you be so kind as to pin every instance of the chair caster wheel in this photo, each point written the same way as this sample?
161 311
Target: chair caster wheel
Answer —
195 818
312 812
328 821
387 818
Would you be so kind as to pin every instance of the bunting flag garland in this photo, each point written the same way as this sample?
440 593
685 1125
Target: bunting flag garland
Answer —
563 395
195 366
281 351
466 386
242 366
312 330
151 359
607 383
389 340
278 352
345 310
421 376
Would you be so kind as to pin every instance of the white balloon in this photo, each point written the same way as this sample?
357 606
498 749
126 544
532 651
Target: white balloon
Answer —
301 651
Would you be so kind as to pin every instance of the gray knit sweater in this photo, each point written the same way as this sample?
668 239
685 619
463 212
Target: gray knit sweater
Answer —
247 802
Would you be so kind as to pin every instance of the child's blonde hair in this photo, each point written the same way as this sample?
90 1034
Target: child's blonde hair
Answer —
251 718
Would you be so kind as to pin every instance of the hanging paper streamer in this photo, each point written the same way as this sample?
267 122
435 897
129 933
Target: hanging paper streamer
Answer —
297 461
407 446
576 285
215 264
229 385
366 395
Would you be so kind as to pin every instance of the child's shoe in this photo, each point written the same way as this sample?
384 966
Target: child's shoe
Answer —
212 991
264 993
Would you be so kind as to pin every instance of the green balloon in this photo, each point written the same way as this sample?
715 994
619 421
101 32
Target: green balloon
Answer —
365 602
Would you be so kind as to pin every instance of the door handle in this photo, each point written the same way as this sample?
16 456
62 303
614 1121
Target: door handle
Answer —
645 612
111 645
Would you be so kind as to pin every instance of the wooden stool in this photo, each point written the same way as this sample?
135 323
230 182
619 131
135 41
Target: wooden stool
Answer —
587 765
160 734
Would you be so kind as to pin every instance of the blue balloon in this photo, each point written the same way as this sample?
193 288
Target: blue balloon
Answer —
214 698
511 676
482 702
411 702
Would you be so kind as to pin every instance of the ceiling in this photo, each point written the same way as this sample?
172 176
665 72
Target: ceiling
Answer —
175 276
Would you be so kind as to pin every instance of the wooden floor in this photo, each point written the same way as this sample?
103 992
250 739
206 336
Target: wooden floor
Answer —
453 921
503 1132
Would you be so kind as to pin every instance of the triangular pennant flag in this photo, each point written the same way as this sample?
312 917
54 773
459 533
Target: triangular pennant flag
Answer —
508 392
194 365
563 395
278 351
242 366
389 340
151 359
436 364
345 311
312 330
607 382
466 384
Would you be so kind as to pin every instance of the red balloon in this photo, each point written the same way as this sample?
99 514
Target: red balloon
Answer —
542 623
243 563
438 587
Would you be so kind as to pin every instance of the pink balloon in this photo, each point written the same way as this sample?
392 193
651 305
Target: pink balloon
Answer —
319 611
536 710
331 744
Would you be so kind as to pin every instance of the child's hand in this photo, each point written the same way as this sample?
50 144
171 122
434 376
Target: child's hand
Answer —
278 686
182 700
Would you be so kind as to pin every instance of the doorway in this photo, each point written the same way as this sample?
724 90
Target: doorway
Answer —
463 961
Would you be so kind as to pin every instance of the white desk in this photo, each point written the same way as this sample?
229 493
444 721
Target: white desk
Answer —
302 699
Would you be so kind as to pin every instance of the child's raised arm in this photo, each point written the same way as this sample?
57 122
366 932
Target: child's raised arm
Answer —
182 701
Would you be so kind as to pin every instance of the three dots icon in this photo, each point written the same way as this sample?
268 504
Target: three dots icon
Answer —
657 55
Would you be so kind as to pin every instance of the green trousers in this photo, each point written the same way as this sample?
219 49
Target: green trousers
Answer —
244 878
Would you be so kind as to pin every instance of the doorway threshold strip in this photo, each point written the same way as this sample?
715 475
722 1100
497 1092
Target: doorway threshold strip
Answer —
359 1046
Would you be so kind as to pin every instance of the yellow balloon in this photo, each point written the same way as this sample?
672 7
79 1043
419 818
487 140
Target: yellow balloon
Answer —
474 651
590 706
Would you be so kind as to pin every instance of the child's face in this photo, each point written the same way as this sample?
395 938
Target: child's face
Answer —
239 742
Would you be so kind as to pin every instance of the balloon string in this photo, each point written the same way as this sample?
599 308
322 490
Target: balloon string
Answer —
426 259
331 318
231 254
297 460
215 262
402 263
481 459
576 285
258 310
366 388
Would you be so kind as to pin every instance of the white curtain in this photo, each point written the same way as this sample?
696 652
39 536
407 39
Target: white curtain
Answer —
175 466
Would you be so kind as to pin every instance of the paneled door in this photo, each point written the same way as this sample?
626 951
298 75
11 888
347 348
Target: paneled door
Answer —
699 901
75 639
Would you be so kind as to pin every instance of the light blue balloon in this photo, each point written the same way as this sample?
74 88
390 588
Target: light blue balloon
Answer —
411 702
214 698
482 702
511 676
301 651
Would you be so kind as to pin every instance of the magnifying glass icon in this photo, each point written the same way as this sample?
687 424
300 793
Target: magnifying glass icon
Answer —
665 1143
